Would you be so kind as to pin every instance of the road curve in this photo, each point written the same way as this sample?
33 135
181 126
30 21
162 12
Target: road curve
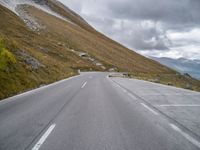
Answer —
89 112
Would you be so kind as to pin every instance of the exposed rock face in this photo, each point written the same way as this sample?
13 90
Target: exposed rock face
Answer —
31 61
41 2
17 6
86 56
30 21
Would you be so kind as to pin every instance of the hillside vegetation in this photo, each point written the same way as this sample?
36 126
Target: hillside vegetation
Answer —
29 59
6 57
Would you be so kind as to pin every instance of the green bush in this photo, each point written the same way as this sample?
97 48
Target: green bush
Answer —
6 57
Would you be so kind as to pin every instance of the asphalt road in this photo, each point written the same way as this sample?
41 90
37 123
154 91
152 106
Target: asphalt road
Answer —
94 112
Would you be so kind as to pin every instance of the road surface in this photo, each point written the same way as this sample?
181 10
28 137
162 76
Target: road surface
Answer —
94 112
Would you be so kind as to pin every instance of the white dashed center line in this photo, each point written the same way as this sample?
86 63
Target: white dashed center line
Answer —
188 137
44 137
151 110
84 84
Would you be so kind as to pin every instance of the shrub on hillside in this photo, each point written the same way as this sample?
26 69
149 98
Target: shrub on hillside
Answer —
6 57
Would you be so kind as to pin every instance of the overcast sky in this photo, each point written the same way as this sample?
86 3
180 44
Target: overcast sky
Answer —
161 28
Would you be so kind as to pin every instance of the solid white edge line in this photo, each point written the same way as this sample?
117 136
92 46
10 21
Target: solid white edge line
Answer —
44 137
151 110
84 84
188 137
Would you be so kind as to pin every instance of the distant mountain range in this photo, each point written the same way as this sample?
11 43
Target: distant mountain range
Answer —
182 65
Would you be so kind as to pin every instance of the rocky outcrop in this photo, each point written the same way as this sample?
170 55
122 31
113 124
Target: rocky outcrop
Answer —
29 60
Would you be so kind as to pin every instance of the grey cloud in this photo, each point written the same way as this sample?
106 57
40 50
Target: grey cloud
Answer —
168 11
145 38
177 15
134 34
141 24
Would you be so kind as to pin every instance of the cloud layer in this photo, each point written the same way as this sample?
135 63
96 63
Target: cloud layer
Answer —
169 28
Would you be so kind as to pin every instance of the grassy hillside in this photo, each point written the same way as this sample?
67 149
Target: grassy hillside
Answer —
29 59
37 60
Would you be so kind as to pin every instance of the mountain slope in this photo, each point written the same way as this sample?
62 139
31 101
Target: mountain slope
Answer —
50 42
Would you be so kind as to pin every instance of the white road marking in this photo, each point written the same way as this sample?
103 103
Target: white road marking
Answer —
188 137
131 95
179 105
44 137
84 84
116 84
151 110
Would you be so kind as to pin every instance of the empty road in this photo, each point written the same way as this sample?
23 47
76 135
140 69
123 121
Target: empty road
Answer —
94 112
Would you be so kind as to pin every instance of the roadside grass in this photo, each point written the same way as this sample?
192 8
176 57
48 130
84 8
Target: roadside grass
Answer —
176 80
